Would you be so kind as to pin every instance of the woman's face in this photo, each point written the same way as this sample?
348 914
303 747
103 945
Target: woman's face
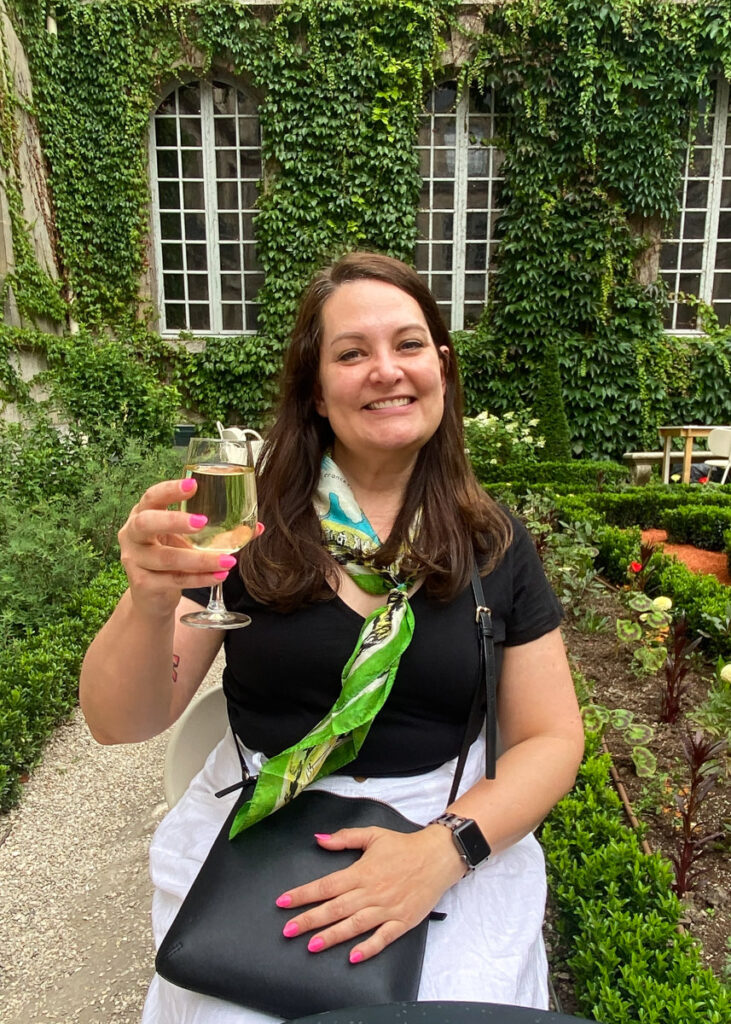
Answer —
381 382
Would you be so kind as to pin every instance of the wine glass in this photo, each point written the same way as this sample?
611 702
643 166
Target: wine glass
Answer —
226 495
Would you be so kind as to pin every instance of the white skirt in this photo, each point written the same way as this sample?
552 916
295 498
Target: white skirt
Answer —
488 949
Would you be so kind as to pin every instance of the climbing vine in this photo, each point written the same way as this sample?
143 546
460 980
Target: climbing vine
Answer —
600 96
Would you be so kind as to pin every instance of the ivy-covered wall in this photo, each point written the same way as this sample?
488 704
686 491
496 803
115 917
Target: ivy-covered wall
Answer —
599 96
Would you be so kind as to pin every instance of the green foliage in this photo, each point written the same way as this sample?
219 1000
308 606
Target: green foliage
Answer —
493 442
628 960
548 407
703 527
573 475
39 676
598 97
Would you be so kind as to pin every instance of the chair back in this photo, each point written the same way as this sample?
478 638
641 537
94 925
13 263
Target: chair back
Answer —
198 730
719 442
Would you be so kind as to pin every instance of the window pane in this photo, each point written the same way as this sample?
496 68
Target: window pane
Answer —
694 226
701 166
174 285
422 257
723 312
228 226
476 258
168 105
722 286
190 131
723 256
225 131
697 195
250 165
252 284
668 256
195 226
224 98
199 318
230 287
443 195
169 194
476 226
441 257
192 163
689 283
249 195
233 318
230 257
189 99
444 97
193 197
226 163
167 164
474 286
228 195
724 225
198 287
172 257
175 316
195 256
249 134
170 225
692 256
166 132
441 286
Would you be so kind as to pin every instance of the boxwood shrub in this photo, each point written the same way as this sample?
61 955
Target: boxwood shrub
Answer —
39 677
704 527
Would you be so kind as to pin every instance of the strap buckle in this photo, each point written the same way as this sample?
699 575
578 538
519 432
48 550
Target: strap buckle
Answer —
481 610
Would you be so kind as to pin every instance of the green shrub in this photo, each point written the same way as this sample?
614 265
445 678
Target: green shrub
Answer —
496 441
619 916
39 679
548 408
703 527
576 473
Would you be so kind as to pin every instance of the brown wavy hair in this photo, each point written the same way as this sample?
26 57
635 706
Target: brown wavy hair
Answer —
287 566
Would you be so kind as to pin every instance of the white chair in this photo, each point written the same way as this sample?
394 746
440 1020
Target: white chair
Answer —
203 723
719 444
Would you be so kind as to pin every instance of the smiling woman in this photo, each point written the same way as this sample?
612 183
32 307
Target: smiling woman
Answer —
359 671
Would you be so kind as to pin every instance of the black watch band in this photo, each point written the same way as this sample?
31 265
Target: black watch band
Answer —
471 845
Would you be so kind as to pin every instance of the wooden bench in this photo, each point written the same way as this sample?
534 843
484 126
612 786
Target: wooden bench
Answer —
641 463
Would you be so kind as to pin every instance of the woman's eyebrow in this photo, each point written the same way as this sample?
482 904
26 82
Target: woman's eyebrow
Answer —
361 336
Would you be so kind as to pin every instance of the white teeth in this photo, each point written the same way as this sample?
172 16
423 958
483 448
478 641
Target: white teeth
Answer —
389 403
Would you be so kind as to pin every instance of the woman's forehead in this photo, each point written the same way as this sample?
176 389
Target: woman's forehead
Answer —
368 304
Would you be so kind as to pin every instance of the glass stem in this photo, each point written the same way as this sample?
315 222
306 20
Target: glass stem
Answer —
215 601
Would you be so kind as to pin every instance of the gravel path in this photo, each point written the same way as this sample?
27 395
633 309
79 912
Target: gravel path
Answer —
75 939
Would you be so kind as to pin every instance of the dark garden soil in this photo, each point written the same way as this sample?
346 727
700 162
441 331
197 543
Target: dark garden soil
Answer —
607 666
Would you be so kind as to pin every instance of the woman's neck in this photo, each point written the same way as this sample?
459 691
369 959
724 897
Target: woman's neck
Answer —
378 485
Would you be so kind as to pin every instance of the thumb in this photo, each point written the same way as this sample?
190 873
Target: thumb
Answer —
347 838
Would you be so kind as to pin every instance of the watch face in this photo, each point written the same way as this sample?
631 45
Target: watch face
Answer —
470 838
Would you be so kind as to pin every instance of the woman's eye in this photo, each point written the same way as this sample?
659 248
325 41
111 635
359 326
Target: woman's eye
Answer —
412 343
348 355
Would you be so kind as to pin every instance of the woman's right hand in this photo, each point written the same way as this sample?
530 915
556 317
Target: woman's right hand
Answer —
157 555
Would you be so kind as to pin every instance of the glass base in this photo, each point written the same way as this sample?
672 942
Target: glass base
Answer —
216 620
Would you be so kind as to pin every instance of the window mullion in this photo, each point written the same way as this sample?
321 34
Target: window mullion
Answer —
714 191
211 206
155 232
460 211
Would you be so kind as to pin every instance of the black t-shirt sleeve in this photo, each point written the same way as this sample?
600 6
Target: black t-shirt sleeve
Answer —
535 608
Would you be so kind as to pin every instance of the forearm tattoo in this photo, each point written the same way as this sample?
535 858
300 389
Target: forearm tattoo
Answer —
176 662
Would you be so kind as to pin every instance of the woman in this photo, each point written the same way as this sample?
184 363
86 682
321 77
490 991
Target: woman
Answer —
370 383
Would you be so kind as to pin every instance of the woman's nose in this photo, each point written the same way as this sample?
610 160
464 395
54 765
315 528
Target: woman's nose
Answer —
386 367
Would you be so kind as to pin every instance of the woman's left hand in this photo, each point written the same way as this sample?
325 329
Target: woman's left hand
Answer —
392 887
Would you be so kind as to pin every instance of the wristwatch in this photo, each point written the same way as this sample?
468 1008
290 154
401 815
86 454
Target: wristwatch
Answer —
471 845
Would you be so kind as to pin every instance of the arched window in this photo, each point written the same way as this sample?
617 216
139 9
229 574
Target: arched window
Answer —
205 162
695 257
460 199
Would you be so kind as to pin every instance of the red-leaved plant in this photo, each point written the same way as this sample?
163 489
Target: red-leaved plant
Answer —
702 756
676 668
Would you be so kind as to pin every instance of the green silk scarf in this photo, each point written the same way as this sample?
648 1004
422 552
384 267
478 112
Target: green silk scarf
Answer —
370 671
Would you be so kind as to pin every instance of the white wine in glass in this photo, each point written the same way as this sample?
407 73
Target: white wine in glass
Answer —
226 495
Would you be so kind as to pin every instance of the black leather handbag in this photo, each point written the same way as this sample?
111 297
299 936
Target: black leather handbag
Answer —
226 940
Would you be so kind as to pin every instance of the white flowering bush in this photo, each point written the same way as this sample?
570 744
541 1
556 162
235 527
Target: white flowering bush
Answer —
492 440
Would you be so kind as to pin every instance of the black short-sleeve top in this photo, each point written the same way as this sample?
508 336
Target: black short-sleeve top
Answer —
283 672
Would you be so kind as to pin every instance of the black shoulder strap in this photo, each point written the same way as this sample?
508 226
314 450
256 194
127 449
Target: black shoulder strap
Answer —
483 618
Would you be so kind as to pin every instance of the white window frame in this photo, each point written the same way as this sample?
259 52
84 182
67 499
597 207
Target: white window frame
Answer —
210 192
460 208
719 144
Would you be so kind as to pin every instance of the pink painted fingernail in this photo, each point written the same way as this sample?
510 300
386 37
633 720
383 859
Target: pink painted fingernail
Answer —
291 929
316 944
323 835
284 901
220 575
198 522
355 957
187 485
227 561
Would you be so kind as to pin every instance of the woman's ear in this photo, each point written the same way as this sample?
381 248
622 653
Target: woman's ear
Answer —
443 365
